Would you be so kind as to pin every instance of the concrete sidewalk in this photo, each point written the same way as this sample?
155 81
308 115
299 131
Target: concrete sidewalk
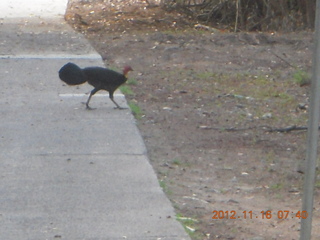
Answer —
65 172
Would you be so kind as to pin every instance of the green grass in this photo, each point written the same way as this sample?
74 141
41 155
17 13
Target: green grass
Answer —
164 187
132 82
206 75
126 90
190 226
136 110
176 162
301 77
276 186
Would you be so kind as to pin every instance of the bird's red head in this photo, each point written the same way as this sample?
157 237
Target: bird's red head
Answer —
126 69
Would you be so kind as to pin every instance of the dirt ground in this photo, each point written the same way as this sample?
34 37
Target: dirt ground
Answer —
213 104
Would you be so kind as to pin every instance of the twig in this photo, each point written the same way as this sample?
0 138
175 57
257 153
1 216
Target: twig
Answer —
231 129
204 27
288 129
258 23
237 16
282 59
196 199
265 128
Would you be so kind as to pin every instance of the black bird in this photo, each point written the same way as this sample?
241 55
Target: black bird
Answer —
98 77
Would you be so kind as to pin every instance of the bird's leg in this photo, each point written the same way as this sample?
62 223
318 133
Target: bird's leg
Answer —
118 106
91 94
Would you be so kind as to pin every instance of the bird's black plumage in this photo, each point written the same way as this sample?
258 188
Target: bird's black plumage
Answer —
98 77
71 74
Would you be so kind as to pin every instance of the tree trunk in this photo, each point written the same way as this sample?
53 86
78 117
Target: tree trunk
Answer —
310 12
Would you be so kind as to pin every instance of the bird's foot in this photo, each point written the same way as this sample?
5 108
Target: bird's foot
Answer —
87 106
90 108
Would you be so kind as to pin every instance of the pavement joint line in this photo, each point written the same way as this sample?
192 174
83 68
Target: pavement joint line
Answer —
53 56
143 154
66 95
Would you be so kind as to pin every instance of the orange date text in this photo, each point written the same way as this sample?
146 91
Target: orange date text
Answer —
281 214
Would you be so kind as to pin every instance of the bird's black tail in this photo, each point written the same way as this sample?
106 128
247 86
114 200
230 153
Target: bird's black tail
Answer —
72 74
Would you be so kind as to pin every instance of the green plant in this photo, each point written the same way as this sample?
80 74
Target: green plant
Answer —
126 90
206 75
135 109
189 224
301 77
270 157
164 187
132 82
176 161
276 186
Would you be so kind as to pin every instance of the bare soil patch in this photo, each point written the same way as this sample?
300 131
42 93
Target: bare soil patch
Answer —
210 100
